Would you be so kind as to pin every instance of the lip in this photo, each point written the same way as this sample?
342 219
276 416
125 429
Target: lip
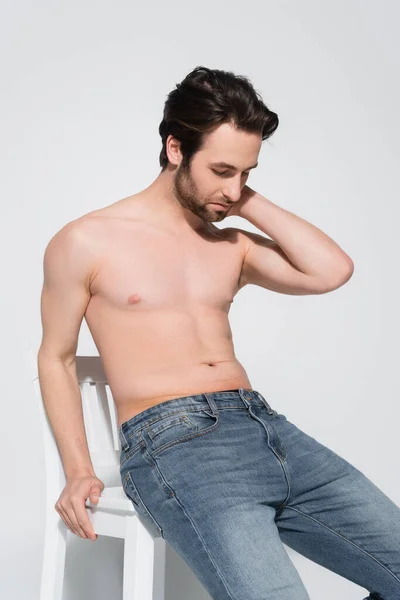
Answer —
220 205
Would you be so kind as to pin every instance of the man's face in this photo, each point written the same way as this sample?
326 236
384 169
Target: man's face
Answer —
208 180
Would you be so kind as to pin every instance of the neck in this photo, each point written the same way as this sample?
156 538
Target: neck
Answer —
159 201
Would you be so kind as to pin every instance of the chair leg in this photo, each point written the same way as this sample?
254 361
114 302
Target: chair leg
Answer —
159 572
138 561
53 566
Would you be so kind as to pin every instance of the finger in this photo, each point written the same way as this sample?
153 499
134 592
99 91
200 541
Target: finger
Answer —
82 519
94 495
64 515
77 524
76 528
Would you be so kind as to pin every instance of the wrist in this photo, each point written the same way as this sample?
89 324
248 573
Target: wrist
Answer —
249 202
79 472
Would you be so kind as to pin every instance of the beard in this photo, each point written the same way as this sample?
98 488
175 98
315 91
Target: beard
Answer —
187 194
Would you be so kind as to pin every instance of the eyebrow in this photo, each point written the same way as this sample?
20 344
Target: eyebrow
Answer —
228 166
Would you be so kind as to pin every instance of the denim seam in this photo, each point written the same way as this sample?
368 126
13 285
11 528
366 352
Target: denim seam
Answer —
286 500
194 527
147 423
171 422
345 538
184 411
280 458
129 482
190 436
130 453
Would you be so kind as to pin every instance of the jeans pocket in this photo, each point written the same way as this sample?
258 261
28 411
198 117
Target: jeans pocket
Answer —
143 512
176 428
132 449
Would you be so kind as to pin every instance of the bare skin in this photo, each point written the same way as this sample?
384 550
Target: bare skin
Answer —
167 295
166 280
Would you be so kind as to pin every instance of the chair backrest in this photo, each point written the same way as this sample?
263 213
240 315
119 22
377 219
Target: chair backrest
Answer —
100 420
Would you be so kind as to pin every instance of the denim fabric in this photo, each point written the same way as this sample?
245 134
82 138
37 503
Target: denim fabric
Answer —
226 480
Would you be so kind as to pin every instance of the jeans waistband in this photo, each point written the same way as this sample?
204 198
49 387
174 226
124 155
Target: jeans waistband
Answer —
208 400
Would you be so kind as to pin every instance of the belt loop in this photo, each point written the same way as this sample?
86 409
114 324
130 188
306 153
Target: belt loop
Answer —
122 439
212 403
263 400
242 395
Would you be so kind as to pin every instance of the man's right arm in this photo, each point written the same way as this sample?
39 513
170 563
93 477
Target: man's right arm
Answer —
69 264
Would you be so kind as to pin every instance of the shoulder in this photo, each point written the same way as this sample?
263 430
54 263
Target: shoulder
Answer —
74 234
87 229
74 250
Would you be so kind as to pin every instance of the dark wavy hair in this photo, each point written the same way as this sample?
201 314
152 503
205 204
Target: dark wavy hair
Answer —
205 99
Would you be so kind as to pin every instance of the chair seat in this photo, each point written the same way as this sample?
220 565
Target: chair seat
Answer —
113 498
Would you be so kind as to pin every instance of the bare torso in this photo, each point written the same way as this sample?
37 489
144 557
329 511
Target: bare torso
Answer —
158 312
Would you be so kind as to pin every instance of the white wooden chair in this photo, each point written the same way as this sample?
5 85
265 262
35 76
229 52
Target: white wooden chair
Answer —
114 515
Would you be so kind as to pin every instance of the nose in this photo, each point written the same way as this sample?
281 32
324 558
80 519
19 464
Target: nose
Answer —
233 191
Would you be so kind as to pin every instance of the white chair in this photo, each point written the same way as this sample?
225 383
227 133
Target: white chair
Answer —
114 515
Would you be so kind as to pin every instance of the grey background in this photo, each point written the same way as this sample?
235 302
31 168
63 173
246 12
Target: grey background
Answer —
82 91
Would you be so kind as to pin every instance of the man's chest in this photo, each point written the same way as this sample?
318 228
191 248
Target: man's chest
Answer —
154 270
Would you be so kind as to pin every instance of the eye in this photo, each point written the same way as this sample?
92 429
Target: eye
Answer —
222 173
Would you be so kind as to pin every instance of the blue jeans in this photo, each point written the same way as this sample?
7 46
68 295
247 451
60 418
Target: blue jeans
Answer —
225 479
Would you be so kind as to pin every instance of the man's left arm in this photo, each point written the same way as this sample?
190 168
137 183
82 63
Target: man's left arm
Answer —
299 259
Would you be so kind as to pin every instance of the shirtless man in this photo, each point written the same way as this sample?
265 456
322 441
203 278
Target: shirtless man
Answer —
155 279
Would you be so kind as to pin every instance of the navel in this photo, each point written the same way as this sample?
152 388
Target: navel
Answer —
133 299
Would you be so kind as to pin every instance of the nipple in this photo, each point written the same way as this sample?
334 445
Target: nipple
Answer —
133 299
